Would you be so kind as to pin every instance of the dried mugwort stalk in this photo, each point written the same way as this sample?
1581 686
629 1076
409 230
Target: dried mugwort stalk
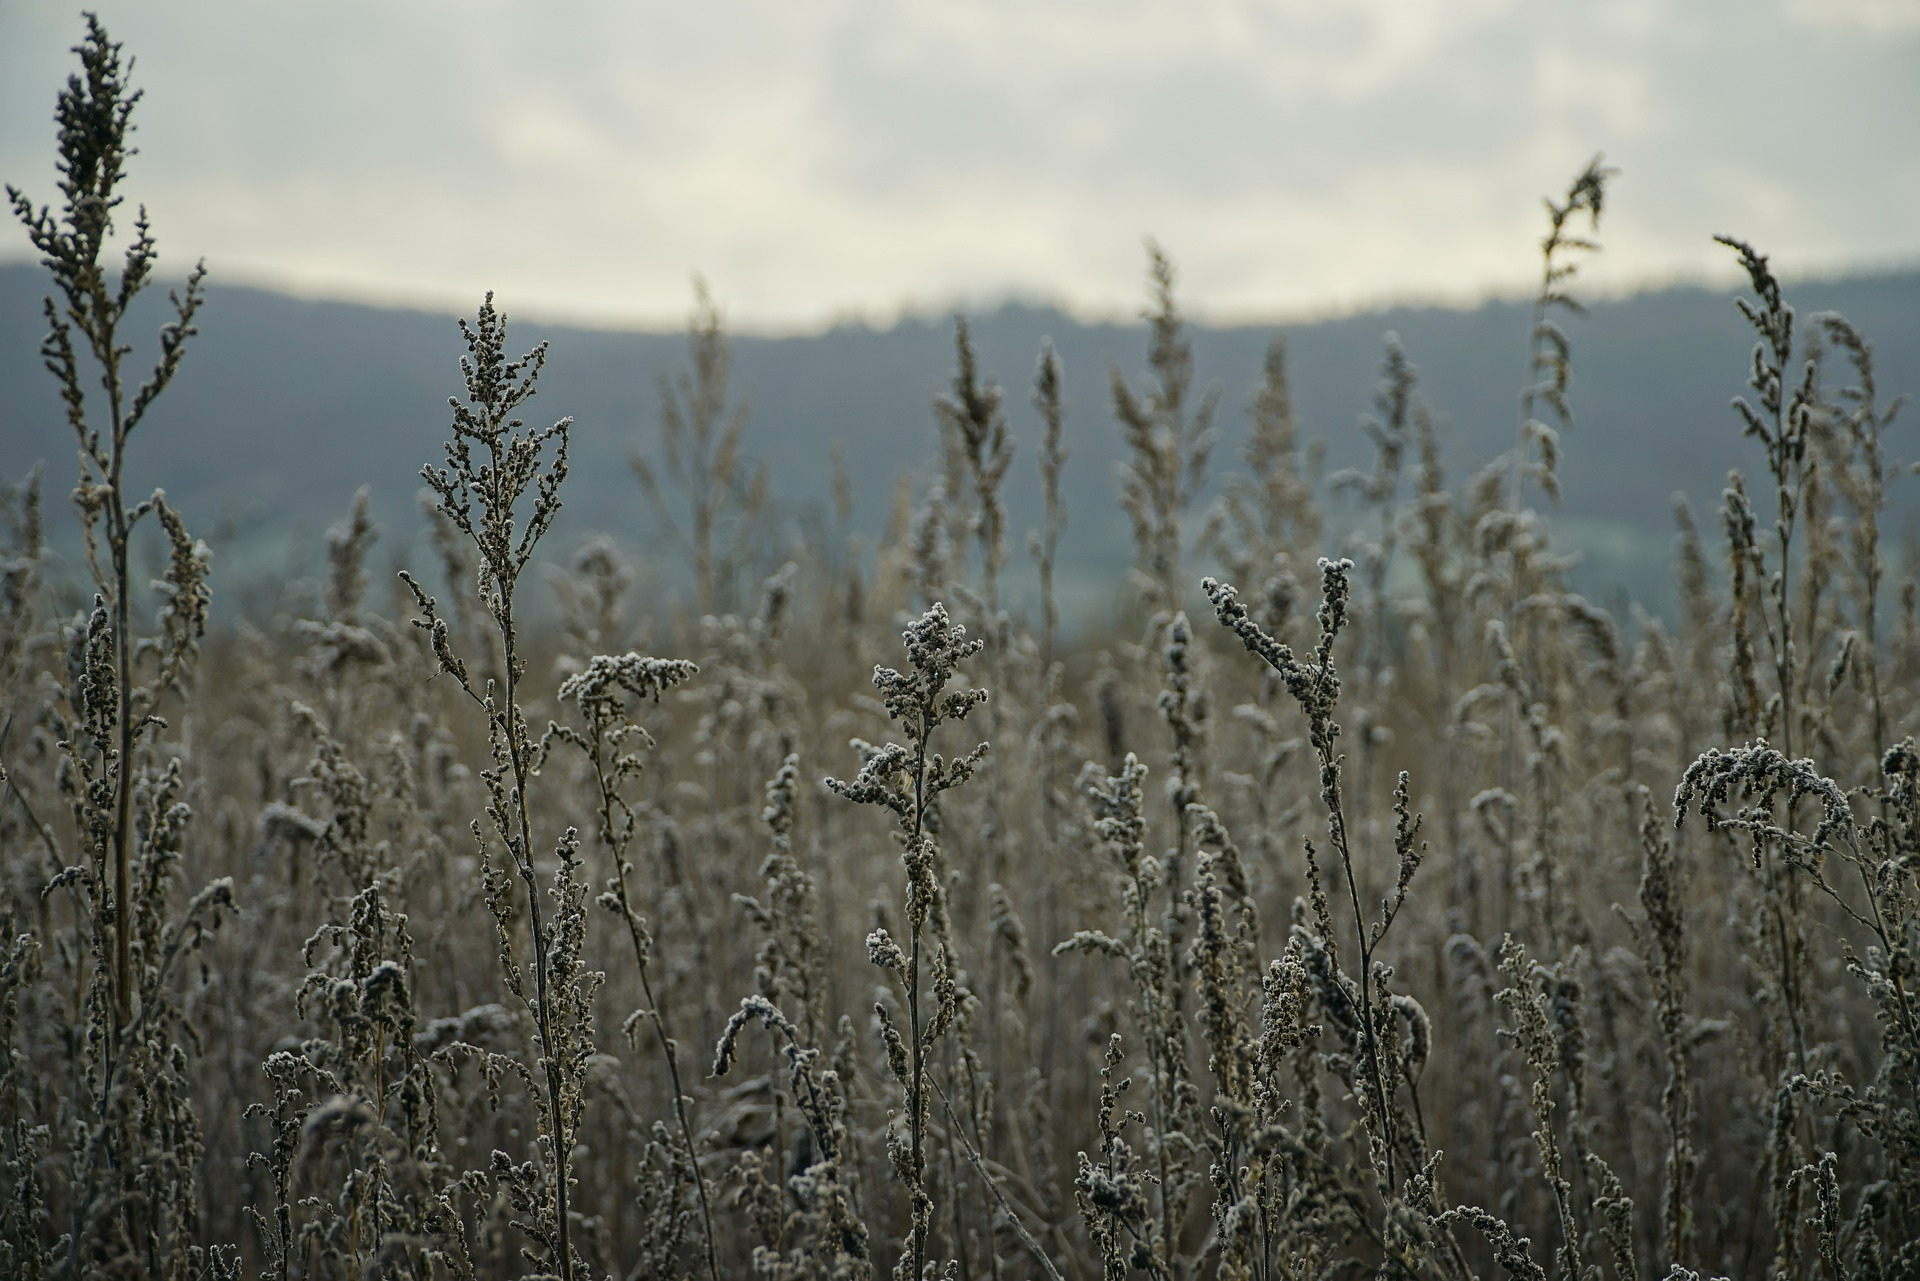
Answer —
1168 442
501 490
907 781
612 743
134 1136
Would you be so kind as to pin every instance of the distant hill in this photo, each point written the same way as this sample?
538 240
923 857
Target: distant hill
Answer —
286 406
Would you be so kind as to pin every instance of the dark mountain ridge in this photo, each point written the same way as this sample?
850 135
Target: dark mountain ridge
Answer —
286 406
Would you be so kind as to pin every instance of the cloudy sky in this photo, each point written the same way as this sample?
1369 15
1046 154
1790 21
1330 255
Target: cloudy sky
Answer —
831 159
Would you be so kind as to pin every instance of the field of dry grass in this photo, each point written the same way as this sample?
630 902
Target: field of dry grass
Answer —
1363 906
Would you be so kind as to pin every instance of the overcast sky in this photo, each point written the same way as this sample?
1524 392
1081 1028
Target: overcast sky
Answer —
831 159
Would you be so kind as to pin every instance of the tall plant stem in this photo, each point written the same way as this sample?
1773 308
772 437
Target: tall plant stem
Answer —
916 1091
1337 822
516 755
654 1015
123 662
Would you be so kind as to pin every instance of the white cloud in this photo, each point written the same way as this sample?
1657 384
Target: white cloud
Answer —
1878 17
846 155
